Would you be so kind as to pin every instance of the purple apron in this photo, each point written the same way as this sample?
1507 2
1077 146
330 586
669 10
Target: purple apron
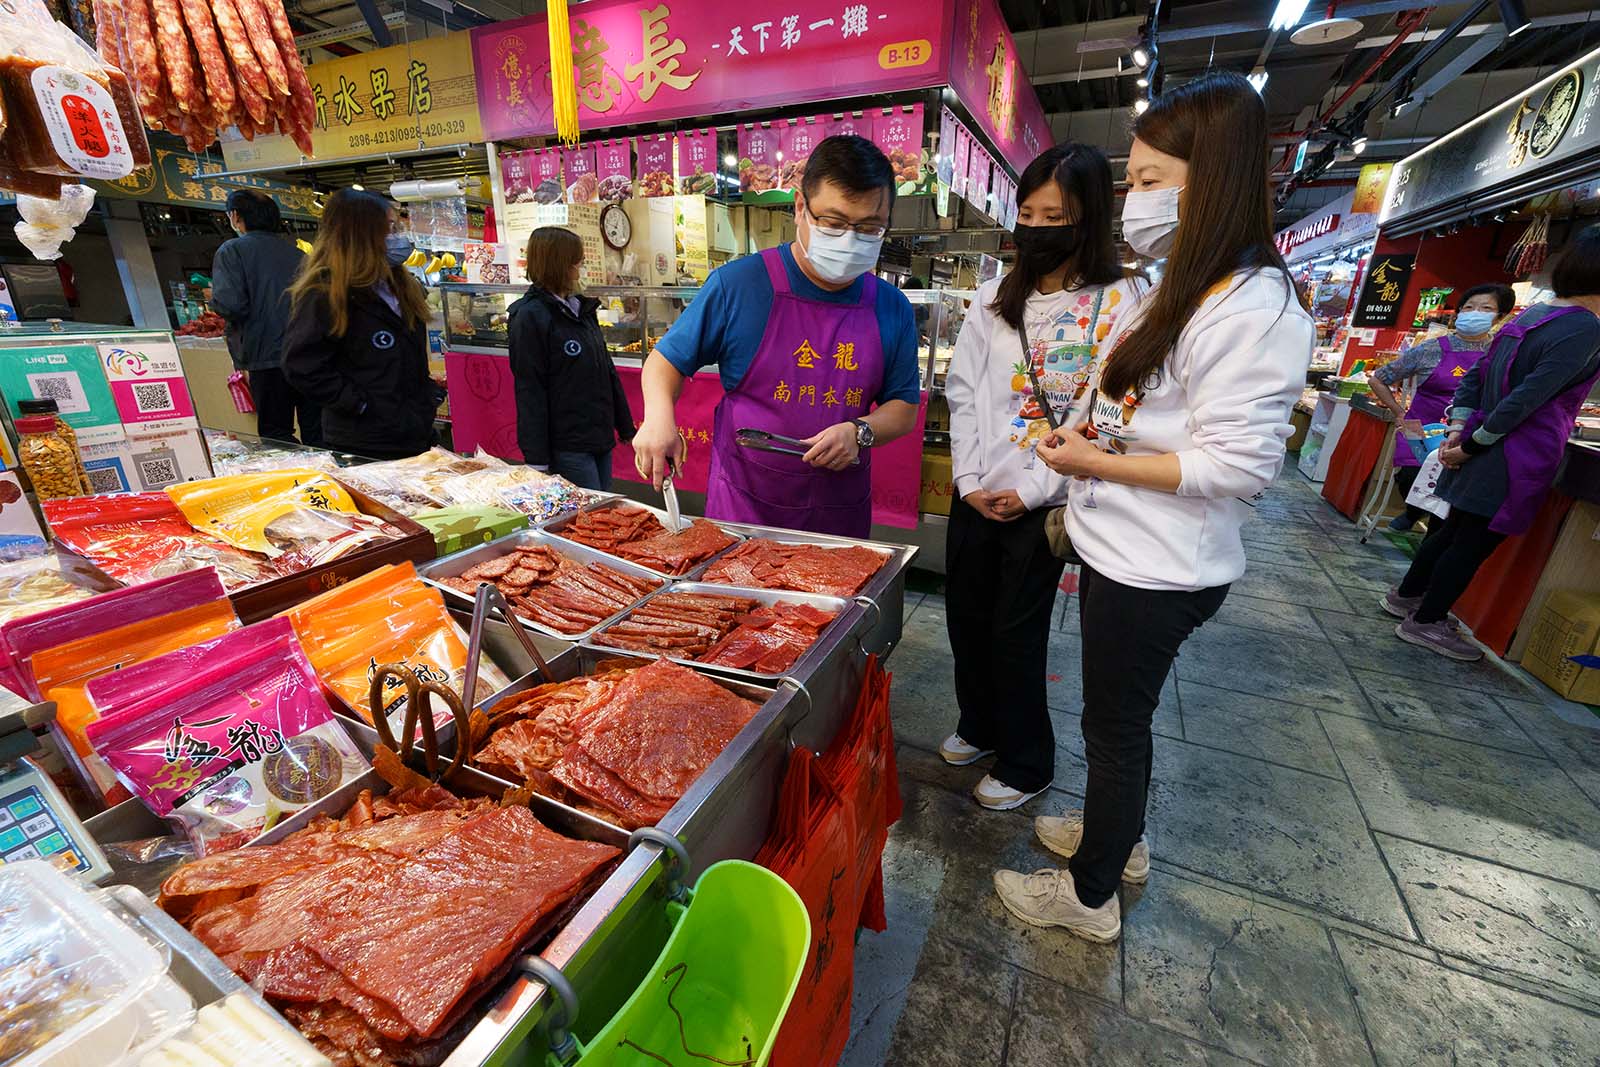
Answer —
1533 450
1432 398
818 364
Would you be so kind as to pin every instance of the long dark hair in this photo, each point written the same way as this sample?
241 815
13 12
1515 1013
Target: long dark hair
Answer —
1084 176
349 254
1218 125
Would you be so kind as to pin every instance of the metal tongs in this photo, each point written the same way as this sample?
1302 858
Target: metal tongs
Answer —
419 711
669 493
765 441
490 597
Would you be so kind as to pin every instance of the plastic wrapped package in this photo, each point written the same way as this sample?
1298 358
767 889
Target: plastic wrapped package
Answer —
224 738
424 473
30 586
135 537
48 223
388 616
78 986
394 489
235 1031
279 512
274 460
68 112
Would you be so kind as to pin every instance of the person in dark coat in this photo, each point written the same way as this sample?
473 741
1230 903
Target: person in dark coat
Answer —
357 340
250 279
570 404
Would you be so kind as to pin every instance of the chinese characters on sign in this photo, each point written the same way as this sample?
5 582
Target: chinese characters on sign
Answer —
808 358
1383 290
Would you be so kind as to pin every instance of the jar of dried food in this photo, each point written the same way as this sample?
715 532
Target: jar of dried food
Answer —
64 428
49 459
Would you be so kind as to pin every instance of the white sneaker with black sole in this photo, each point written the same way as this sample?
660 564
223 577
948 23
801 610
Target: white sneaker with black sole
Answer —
956 752
1062 834
1049 898
995 795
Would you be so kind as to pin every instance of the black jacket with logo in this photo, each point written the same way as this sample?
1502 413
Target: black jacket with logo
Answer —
569 397
373 384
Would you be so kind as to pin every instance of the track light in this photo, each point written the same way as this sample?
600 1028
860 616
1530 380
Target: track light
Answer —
1515 15
1258 79
1359 145
1141 56
1288 13
1142 81
1141 105
730 160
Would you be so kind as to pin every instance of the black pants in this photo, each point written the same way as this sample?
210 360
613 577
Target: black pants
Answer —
1130 638
277 404
1405 478
1000 587
1446 562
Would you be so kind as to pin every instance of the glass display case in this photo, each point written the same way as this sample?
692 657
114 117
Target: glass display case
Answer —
633 317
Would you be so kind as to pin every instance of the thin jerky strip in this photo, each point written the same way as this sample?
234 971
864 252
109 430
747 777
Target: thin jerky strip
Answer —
270 47
203 32
144 60
246 67
175 56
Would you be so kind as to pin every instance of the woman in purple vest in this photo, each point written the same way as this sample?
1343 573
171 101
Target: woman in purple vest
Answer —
1509 424
1436 367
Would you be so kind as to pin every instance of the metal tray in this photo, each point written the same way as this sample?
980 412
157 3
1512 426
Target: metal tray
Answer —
454 566
554 529
830 634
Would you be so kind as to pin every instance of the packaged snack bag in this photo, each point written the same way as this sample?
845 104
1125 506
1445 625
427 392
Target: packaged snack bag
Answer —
23 639
388 616
135 537
224 738
62 673
271 512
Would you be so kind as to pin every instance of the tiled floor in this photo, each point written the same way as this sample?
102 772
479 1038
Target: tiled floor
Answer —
1362 853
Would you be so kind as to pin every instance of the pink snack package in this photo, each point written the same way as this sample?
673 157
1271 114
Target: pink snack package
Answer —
22 639
224 738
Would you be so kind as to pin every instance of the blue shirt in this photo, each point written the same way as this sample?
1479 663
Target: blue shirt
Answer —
725 322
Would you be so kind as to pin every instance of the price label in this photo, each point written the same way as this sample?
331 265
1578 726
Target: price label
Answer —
905 54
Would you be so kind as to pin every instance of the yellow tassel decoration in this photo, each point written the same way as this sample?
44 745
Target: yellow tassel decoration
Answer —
563 86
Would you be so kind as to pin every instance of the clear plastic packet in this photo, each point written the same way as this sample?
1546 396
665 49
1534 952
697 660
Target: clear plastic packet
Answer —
137 537
393 488
48 223
255 462
234 1030
22 639
308 537
224 738
30 586
422 474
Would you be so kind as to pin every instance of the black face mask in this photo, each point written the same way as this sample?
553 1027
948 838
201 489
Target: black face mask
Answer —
1044 248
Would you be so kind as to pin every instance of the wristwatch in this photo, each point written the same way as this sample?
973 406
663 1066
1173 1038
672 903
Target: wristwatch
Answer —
864 434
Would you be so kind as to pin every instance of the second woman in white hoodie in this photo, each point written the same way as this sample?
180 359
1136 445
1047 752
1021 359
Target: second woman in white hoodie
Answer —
1022 366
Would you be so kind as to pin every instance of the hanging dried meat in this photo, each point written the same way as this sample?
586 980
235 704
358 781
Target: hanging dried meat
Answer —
761 563
626 744
560 593
728 631
325 923
201 66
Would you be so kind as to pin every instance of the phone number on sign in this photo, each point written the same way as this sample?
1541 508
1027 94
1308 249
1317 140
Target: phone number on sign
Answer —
405 134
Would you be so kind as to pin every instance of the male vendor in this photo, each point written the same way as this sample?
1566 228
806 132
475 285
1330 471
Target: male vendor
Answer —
807 341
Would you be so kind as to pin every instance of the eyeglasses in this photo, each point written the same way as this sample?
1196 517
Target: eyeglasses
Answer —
833 226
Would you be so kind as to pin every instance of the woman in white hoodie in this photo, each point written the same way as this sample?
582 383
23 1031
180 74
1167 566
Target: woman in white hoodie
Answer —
1021 367
1189 420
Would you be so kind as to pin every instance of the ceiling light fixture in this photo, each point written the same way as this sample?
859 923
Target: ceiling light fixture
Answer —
1288 13
1359 145
1141 56
1258 79
1140 106
1514 13
1142 81
730 160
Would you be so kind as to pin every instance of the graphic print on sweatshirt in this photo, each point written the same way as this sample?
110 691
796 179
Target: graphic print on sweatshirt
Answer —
1063 353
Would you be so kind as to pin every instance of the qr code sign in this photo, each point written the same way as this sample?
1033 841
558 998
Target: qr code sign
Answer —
105 480
158 469
149 397
64 388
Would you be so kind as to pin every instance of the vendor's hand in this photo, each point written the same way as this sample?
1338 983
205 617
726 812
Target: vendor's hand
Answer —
1411 428
834 448
1007 505
1068 453
979 500
1453 455
655 444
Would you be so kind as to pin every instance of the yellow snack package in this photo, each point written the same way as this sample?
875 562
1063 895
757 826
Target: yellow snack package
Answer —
271 512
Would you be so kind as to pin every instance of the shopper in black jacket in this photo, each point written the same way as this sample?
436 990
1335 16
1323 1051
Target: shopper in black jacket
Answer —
357 340
570 404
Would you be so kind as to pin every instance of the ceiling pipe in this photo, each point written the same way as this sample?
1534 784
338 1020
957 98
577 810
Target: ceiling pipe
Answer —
1410 22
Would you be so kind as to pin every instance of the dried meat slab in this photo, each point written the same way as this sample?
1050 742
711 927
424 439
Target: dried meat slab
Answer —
677 553
803 568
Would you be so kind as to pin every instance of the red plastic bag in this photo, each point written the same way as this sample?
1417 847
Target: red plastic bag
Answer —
861 764
812 848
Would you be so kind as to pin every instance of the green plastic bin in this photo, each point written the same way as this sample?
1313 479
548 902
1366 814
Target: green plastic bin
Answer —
730 968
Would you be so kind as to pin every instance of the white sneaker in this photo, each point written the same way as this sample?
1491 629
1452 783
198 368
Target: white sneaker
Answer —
958 753
995 795
1061 834
1048 898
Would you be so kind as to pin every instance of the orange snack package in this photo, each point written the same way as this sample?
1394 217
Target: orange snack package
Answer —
65 671
387 616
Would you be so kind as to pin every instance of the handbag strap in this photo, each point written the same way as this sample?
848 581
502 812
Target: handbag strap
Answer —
1027 359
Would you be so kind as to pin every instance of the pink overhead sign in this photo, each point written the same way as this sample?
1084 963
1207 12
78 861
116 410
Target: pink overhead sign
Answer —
637 61
987 76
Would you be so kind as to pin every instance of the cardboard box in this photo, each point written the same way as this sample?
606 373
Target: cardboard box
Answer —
1568 624
463 527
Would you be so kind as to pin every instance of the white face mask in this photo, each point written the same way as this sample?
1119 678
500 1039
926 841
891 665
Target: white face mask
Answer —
1150 220
842 259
